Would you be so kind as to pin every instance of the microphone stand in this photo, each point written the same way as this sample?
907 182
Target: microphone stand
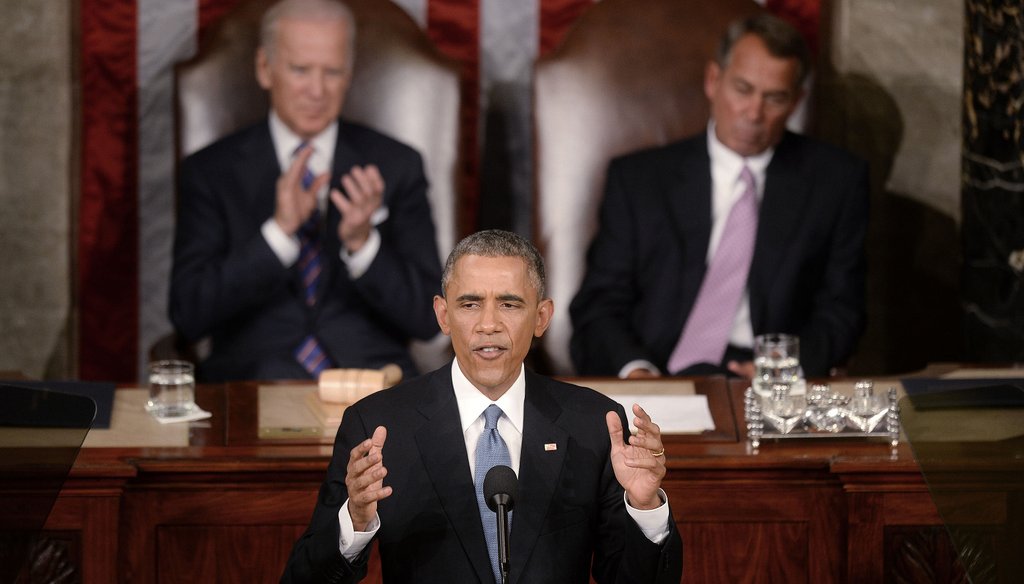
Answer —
499 493
504 551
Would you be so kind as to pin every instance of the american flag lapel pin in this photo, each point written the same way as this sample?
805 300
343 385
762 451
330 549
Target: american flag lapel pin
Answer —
550 447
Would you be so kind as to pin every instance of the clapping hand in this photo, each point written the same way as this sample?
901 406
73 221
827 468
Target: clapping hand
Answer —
364 192
294 203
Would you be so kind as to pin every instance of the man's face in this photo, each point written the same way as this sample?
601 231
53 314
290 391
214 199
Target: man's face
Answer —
308 73
751 98
491 312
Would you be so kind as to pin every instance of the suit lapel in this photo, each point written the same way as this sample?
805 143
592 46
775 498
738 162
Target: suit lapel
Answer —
782 208
540 465
257 170
689 203
442 448
345 157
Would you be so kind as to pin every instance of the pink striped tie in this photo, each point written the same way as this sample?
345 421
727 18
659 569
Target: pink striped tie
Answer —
706 333
310 354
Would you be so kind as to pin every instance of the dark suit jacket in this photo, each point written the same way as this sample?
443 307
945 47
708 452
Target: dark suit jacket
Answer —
647 262
229 284
569 507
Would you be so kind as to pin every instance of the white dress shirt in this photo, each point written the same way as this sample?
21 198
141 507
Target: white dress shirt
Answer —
472 403
287 247
726 189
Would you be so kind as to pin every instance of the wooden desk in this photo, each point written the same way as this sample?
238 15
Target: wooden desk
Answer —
226 506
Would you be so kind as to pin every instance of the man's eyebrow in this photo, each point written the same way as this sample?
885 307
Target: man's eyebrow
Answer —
780 93
511 297
470 298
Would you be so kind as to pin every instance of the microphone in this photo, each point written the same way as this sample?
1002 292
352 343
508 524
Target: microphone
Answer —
500 494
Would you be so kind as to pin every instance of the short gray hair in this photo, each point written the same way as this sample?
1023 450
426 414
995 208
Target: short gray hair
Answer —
782 40
319 10
495 243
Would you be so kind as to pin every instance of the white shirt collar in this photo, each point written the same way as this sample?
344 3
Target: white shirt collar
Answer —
727 163
286 142
472 403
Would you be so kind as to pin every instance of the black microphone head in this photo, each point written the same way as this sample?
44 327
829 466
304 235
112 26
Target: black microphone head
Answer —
500 487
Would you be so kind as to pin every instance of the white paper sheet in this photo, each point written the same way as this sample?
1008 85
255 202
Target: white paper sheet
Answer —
675 414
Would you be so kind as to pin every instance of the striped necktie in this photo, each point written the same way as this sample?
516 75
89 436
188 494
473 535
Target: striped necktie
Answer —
705 336
309 353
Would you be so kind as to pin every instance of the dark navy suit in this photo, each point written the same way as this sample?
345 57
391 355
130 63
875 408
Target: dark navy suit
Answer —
569 509
647 262
228 283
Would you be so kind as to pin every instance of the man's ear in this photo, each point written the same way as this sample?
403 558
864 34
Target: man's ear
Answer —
712 73
441 312
545 310
262 68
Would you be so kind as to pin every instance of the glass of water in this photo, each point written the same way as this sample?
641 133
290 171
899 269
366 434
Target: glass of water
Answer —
172 389
776 360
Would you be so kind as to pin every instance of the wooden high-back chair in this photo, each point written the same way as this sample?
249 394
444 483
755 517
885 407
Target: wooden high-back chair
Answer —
629 75
401 86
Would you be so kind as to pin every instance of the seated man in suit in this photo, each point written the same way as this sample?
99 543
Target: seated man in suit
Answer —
743 230
407 460
304 242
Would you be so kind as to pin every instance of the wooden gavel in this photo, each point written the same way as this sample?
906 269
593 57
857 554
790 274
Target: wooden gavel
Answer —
347 386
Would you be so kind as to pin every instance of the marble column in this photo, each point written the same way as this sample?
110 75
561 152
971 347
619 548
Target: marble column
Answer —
992 200
37 96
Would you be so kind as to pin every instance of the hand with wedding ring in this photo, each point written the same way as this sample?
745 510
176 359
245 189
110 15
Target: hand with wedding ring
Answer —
639 465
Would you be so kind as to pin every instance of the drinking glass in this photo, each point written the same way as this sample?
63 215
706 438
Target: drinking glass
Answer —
172 389
776 360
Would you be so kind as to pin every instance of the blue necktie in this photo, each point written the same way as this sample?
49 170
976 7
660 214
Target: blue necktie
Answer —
490 451
309 243
309 353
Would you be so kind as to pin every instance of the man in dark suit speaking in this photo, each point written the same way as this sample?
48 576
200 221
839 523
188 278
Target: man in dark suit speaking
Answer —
743 230
304 242
408 461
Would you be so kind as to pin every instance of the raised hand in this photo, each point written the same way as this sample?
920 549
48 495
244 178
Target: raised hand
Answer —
364 478
294 203
364 187
640 465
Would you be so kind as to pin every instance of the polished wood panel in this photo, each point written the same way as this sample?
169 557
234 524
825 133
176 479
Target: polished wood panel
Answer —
199 553
227 507
747 552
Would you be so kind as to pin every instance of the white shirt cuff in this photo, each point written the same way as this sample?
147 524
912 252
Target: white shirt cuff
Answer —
637 364
653 522
351 542
285 247
357 263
